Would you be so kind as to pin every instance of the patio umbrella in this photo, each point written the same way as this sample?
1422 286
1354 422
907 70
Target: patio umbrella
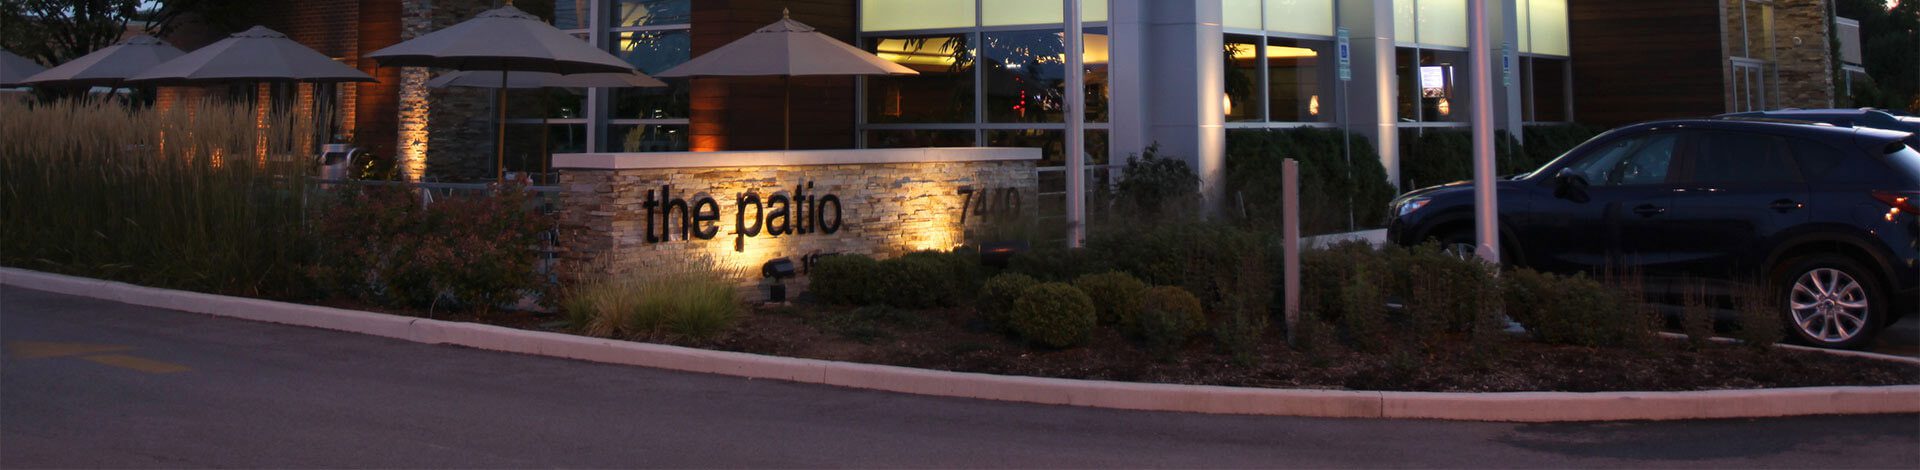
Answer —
519 80
502 39
15 69
786 49
109 66
255 55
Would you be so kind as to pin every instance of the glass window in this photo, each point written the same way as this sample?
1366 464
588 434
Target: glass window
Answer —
652 52
1242 102
1815 159
1546 25
1433 85
562 14
1241 14
1636 160
549 103
633 13
1443 22
1403 24
1099 89
911 138
1728 157
1524 26
1023 12
1052 143
526 151
647 137
1299 88
942 92
1026 76
1300 16
891 15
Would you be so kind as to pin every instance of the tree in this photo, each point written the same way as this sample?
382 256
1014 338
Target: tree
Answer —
55 31
1890 50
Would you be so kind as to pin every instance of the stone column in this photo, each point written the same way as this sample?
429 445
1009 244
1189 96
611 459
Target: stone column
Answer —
416 19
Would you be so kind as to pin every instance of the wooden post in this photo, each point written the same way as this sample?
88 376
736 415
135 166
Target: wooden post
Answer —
1290 241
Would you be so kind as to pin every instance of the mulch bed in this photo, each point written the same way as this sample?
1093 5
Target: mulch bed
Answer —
954 340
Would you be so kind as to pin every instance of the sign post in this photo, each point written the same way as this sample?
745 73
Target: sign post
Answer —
1344 42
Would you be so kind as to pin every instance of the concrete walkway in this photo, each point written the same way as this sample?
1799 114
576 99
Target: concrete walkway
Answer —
89 383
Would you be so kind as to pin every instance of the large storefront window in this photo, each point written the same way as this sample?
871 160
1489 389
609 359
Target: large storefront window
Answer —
652 52
1242 102
941 93
992 73
635 13
1299 84
1433 85
1544 89
1278 62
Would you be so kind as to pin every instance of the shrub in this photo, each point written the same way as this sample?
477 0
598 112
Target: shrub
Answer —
1116 295
1238 333
1363 313
1760 311
1150 185
1545 143
384 246
1054 264
1443 293
1431 157
1343 191
1569 309
1054 315
918 282
1216 262
1325 275
847 279
1166 318
696 299
997 296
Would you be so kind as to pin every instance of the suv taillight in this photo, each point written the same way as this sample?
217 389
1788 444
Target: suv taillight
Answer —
1900 201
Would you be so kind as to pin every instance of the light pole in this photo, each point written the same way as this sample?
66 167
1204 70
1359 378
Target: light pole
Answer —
1076 137
1486 200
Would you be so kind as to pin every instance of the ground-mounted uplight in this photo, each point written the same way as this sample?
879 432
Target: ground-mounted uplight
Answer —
777 271
1000 254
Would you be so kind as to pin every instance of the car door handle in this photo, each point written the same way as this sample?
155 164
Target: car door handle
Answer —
1649 210
1786 205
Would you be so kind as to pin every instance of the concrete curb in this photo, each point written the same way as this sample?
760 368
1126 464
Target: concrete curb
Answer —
1516 407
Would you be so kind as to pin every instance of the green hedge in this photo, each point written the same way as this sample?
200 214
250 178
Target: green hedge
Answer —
1054 315
1336 187
1431 157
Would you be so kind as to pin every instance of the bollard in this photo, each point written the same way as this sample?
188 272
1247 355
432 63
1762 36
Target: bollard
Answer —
1290 241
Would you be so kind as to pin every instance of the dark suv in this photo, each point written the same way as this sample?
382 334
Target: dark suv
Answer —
1828 215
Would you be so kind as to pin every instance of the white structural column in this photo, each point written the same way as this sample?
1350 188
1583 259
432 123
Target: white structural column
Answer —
1373 95
1076 122
1127 77
1486 201
1184 74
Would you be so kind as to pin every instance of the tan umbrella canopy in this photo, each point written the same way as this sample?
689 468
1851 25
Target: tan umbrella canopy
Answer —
502 39
109 66
255 55
521 80
786 49
15 69
477 79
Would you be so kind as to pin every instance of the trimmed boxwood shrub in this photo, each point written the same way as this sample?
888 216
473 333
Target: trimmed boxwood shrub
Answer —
997 296
917 282
846 280
1116 295
1054 315
1221 264
1574 310
1167 317
1055 264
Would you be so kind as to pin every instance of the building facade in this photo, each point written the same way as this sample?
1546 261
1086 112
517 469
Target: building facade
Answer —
1176 74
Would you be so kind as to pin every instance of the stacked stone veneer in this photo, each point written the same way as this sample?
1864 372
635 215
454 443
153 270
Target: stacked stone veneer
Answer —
1799 52
887 209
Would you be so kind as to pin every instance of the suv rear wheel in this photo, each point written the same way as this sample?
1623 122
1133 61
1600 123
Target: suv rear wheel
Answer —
1831 301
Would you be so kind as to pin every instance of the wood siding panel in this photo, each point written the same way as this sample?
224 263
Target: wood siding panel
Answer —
1639 60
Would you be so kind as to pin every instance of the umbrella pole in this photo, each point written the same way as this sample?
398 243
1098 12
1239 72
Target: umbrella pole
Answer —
786 113
500 131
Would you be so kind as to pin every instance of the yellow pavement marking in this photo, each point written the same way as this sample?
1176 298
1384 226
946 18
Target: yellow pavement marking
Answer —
137 363
36 350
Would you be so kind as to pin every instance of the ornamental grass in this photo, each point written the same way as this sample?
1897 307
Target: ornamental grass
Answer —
202 195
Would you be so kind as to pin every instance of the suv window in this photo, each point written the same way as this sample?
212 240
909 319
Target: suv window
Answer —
1733 157
1629 161
1815 159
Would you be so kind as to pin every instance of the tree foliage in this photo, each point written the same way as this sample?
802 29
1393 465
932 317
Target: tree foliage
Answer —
56 31
1890 49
